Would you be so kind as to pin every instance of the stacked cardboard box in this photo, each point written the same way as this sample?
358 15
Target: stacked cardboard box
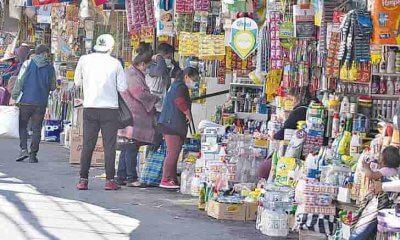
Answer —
76 143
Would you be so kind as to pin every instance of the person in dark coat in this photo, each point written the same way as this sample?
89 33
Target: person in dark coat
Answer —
302 98
174 120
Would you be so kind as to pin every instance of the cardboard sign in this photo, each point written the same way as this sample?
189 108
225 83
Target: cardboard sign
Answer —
244 36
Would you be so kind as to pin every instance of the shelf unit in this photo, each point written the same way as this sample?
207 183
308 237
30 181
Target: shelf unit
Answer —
252 116
385 96
247 85
386 74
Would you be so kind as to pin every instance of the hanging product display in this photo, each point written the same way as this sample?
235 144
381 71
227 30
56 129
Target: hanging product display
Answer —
164 11
386 21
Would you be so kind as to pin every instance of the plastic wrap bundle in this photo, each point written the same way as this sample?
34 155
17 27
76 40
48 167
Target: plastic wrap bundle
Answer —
186 178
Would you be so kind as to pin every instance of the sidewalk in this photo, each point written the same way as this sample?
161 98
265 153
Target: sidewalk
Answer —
39 201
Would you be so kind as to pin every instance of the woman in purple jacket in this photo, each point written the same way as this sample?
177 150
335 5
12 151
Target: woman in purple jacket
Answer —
141 103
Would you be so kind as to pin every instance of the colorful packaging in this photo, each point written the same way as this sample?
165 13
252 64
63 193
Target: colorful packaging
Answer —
285 167
386 21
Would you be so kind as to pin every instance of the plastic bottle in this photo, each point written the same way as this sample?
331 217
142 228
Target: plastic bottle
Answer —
202 196
184 178
355 146
345 105
382 65
349 122
397 86
391 61
382 86
335 125
195 187
390 86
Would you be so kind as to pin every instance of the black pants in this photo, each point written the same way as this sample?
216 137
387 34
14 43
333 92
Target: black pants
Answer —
35 114
94 120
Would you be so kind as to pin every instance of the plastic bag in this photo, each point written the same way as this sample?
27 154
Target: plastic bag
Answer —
9 121
296 144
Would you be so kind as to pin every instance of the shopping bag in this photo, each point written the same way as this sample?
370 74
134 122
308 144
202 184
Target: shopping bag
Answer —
9 121
152 171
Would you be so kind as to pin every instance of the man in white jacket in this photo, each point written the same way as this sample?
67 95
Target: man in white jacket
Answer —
102 77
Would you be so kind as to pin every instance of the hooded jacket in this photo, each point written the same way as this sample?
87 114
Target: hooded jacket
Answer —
35 81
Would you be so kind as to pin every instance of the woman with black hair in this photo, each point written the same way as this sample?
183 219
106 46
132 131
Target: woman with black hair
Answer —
174 120
142 105
302 98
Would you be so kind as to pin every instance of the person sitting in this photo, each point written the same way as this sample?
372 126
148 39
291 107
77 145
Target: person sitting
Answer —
366 225
301 98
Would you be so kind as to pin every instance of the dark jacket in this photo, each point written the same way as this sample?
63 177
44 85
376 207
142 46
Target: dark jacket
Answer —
172 121
298 114
159 79
35 81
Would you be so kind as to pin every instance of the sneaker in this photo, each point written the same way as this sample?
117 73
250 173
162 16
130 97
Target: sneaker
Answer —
169 184
83 184
121 181
23 154
33 158
111 185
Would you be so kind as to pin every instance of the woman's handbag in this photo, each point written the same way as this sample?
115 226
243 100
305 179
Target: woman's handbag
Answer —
124 114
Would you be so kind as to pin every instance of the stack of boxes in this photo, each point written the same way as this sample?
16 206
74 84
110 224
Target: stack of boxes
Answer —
76 142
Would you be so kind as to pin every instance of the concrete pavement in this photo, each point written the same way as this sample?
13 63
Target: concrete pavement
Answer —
39 201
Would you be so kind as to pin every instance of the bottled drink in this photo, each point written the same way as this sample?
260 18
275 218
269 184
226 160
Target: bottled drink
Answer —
382 86
390 86
335 125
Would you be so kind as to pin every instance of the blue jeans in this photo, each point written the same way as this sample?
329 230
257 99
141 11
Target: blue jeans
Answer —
128 163
365 232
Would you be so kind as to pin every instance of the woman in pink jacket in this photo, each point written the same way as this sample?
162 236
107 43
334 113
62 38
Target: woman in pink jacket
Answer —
141 103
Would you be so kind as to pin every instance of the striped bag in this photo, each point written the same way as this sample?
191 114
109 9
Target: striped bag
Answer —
152 171
318 223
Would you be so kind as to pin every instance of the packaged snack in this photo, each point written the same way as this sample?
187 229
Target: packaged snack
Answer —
386 21
285 167
296 144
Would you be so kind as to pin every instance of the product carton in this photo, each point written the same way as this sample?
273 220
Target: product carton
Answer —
251 211
344 195
224 211
76 149
78 117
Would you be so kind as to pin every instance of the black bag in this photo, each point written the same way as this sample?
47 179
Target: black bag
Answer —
125 118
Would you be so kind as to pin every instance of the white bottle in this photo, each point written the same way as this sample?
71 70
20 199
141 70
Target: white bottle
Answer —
391 60
390 86
195 187
345 105
355 146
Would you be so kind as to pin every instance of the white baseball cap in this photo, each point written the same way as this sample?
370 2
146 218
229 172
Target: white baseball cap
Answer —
104 43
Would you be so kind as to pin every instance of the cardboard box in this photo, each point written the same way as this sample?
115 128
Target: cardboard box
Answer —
251 211
78 117
76 149
224 211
